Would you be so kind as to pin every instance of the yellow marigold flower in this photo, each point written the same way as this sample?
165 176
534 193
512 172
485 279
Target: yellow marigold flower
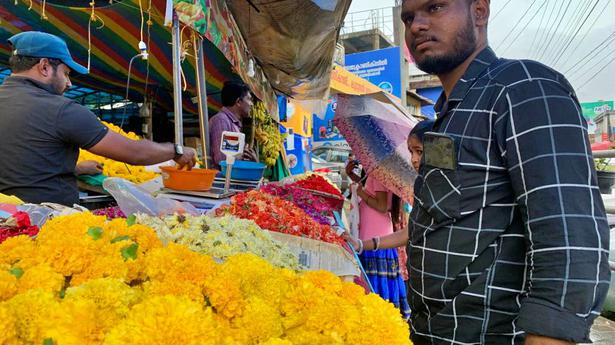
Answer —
178 262
136 174
8 334
111 299
76 322
277 341
8 285
351 292
33 311
69 226
260 321
223 291
166 320
16 248
170 286
40 277
380 320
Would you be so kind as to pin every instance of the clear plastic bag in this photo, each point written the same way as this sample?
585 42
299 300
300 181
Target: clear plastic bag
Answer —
133 199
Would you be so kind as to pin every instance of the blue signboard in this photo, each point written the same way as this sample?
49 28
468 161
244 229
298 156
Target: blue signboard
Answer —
297 152
324 129
432 93
381 67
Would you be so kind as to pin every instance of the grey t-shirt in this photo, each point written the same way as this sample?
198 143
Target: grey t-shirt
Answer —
40 137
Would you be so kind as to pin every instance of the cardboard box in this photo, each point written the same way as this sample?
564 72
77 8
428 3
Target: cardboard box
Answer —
316 255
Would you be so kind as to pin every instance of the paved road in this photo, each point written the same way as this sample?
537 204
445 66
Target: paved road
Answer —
603 332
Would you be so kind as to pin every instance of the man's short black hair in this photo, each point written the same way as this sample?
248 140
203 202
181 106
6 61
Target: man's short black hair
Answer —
233 91
21 63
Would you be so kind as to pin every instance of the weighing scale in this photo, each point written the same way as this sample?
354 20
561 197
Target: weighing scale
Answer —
232 144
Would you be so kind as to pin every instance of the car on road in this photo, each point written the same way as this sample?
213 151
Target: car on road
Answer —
332 159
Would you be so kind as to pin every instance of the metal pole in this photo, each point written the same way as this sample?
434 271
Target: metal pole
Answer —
177 82
201 87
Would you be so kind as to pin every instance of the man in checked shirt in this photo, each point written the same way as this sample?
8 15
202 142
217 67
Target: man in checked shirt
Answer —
508 238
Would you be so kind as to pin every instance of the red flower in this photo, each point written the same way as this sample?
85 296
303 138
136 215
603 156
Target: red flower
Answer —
275 214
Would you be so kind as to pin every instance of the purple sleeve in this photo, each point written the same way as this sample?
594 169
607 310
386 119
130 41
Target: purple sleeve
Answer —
216 127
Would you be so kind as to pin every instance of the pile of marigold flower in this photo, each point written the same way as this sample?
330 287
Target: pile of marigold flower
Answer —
111 168
88 280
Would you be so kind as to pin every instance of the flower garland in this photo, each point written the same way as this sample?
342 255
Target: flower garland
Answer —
220 237
144 293
275 214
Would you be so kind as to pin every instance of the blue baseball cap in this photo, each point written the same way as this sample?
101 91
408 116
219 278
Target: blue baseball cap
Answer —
44 45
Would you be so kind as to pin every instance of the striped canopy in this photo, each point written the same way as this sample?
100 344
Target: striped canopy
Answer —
114 37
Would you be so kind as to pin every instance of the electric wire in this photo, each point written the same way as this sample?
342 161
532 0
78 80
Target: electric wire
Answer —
515 26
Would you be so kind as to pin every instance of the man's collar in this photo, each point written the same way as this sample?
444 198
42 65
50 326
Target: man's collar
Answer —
231 115
27 80
482 61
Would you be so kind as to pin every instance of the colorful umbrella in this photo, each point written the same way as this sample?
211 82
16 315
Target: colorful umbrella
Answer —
376 127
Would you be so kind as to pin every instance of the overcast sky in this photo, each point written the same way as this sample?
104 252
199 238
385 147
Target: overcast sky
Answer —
565 35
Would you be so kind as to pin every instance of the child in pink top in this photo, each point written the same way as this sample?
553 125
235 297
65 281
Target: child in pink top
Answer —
381 265
373 222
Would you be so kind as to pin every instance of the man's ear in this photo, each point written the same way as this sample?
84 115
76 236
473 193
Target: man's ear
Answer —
480 11
44 67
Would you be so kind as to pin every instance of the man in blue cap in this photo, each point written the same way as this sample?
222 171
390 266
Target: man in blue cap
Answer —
41 131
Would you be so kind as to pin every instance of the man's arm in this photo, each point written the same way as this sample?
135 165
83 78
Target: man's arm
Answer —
544 143
141 152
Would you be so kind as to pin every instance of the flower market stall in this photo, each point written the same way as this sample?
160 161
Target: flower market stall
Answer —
266 266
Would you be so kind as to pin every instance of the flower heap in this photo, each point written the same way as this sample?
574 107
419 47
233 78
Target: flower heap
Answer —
275 214
110 212
220 237
318 183
315 206
86 280
111 168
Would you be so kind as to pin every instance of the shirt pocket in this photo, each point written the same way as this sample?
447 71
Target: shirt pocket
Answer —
439 194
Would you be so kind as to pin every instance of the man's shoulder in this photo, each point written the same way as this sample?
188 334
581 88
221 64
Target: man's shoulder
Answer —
219 118
513 73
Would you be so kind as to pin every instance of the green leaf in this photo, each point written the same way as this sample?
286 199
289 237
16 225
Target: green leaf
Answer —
95 232
130 252
131 220
16 271
120 238
48 341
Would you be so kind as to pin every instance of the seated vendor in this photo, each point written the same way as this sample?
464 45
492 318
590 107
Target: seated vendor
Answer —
41 131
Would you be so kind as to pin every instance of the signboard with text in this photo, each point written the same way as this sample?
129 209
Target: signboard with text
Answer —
381 67
592 109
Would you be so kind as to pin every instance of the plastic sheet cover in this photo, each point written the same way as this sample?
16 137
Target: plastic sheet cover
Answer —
293 41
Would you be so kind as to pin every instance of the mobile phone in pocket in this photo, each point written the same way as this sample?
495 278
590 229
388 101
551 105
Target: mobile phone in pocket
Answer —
439 151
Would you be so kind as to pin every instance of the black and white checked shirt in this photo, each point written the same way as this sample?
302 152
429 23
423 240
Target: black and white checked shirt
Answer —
515 239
